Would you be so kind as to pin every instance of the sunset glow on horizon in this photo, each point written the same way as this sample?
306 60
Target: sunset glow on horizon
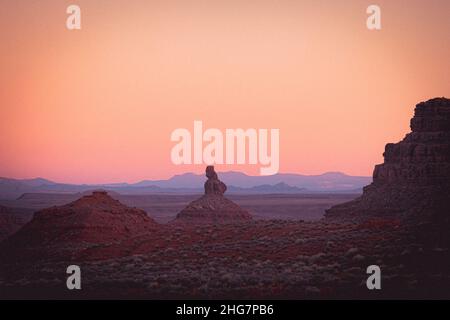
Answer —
98 105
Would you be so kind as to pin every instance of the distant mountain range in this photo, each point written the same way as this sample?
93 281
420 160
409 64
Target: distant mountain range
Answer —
333 182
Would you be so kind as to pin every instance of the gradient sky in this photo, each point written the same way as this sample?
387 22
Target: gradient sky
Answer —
98 105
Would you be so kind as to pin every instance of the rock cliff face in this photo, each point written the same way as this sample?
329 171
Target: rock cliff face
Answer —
414 180
213 207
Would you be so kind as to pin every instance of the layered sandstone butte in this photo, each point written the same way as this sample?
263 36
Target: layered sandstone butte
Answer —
213 207
93 220
414 180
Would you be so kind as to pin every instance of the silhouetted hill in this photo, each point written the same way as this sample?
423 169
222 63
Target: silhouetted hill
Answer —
11 219
281 187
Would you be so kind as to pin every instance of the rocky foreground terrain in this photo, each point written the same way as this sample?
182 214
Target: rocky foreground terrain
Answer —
259 259
211 250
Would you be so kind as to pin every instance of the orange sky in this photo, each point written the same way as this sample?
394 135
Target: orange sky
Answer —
99 104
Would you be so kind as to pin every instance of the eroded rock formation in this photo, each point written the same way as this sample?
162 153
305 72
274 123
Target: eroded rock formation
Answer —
213 207
66 231
213 185
414 180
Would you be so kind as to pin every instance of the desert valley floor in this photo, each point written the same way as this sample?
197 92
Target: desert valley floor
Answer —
164 207
288 253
